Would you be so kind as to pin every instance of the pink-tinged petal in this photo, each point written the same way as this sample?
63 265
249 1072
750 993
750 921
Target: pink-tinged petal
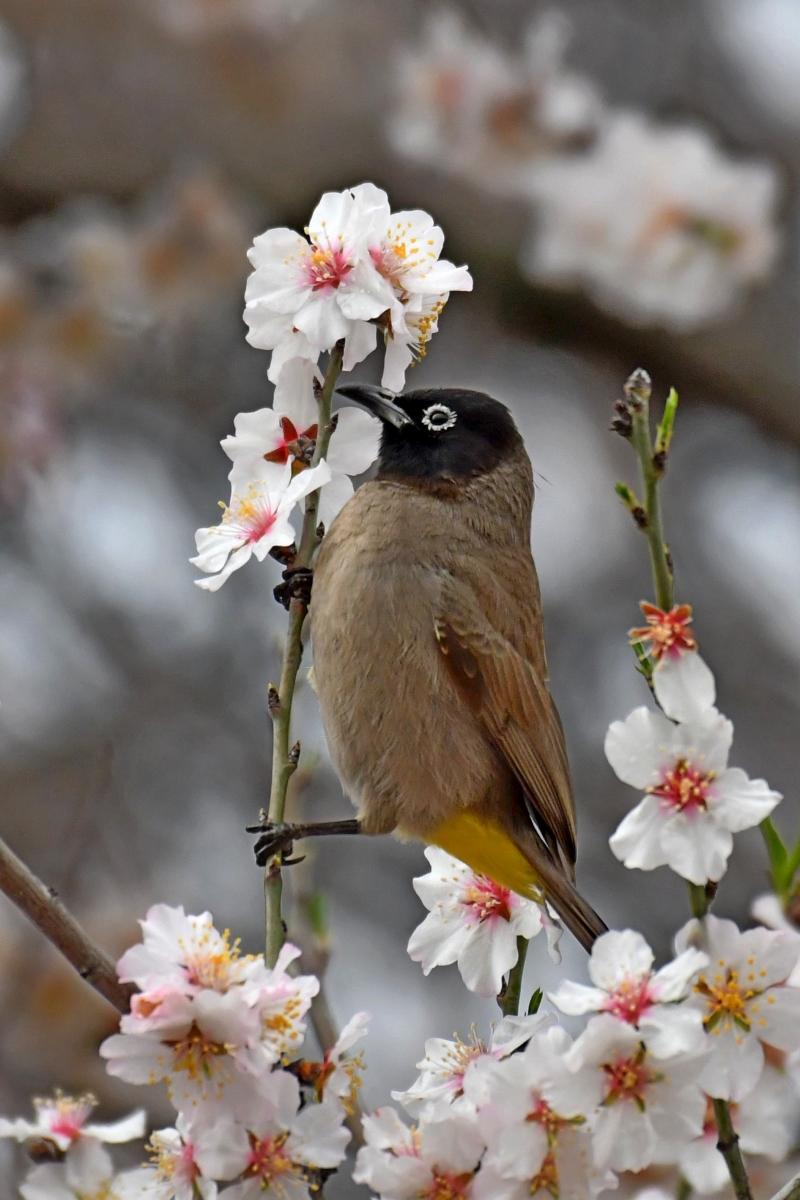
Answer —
333 498
355 442
638 747
397 360
684 686
489 952
696 847
575 999
294 393
322 320
618 956
637 841
359 343
673 980
739 802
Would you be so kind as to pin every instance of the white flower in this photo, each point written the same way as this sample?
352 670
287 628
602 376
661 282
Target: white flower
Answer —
324 282
87 1173
174 1173
281 1002
64 1120
340 1074
277 1145
641 1098
256 520
201 1055
683 684
769 911
694 802
185 953
445 1064
656 222
744 1001
765 1121
472 921
475 111
287 433
532 1111
430 1162
407 347
625 985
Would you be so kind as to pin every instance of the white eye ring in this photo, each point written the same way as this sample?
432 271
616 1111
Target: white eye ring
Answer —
438 418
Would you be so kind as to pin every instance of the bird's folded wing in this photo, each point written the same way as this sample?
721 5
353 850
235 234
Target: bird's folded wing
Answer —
512 702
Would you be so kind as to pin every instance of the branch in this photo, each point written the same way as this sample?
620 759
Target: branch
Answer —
508 996
284 758
728 1146
42 906
791 1191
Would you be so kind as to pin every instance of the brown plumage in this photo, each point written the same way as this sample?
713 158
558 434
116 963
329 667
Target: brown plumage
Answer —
429 654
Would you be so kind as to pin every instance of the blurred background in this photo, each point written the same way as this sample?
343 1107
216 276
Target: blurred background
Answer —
621 177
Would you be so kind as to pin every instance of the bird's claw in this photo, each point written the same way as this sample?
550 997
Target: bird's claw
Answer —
274 840
296 586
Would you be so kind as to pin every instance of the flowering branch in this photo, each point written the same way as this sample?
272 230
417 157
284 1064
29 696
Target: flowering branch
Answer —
633 422
42 906
284 758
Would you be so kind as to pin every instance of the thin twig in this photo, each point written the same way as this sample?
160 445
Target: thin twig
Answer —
508 997
790 1191
42 906
284 761
728 1146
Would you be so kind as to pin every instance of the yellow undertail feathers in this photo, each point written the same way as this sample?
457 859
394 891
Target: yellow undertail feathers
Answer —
488 850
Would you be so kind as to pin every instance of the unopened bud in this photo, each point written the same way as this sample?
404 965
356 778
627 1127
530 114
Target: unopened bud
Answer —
638 389
294 754
273 700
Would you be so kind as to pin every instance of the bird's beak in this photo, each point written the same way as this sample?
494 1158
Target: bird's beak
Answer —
377 400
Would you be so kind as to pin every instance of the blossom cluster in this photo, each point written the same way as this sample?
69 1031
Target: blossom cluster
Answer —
533 1112
358 269
223 1032
654 221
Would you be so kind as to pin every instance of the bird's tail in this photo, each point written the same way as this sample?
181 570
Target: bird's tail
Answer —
490 850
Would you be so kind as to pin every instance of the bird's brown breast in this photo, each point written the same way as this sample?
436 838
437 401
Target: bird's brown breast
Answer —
408 748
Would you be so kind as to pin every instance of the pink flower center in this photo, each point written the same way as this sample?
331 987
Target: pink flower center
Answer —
326 267
68 1127
684 788
446 1186
630 1000
628 1079
667 632
268 1160
293 442
486 900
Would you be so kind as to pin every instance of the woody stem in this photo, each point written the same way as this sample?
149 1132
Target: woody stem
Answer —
728 1146
651 477
284 761
508 996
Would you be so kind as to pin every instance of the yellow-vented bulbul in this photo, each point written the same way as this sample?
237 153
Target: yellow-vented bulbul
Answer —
429 656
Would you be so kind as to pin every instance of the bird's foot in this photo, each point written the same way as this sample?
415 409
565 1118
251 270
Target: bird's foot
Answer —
296 586
275 839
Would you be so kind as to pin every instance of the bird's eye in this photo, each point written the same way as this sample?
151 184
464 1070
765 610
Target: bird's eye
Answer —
438 418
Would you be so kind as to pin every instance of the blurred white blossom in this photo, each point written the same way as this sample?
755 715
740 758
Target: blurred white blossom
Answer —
194 20
64 1120
656 223
435 1159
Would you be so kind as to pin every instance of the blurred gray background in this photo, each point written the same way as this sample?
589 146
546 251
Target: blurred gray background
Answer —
143 143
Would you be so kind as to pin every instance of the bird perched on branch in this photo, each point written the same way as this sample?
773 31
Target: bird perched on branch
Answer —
429 655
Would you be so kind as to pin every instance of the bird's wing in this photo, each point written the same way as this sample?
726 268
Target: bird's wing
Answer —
512 701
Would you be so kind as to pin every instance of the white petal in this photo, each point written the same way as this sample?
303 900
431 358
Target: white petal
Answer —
333 498
214 582
437 943
222 1151
322 321
684 686
639 746
703 1166
256 434
618 956
740 803
125 1130
669 1029
733 1067
575 999
355 442
488 953
637 841
359 343
294 393
397 360
697 848
672 981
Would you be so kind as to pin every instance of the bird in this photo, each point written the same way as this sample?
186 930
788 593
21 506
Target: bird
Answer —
429 653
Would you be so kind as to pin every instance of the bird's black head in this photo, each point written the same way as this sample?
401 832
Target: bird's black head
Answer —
437 433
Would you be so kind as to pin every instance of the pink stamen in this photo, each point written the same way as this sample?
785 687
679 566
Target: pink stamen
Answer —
486 900
630 1000
684 788
326 267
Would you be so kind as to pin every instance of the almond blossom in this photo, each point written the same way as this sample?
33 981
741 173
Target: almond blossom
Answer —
694 802
87 1173
434 1160
765 1122
277 1149
64 1120
744 999
474 922
641 1098
625 985
323 282
683 684
445 1065
339 1075
173 1173
287 433
533 1113
256 519
770 911
657 223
